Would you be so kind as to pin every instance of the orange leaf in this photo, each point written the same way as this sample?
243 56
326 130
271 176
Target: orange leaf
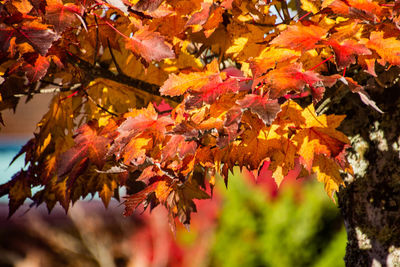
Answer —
149 45
178 84
269 60
287 78
300 37
388 49
163 190
23 6
319 136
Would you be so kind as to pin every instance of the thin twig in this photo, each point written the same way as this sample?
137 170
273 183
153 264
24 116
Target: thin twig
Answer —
279 13
99 106
113 58
263 24
96 50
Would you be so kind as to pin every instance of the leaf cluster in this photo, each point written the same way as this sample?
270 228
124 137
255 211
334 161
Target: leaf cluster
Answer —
164 96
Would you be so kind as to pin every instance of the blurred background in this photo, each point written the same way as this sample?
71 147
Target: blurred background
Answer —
251 223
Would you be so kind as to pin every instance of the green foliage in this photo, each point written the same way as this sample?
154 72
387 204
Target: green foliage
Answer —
299 228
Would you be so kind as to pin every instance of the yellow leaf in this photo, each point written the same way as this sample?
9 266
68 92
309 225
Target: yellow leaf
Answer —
237 46
135 150
328 173
107 192
163 190
311 5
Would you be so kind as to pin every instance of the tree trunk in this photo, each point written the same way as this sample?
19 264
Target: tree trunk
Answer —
370 202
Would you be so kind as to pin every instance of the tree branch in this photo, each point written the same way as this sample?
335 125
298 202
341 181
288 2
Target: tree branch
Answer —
48 90
285 11
94 72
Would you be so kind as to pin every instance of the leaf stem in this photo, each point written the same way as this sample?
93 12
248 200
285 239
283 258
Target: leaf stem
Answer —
319 64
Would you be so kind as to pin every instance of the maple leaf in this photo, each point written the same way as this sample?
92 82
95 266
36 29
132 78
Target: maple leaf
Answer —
178 146
300 37
107 192
89 145
200 17
185 194
36 70
387 48
61 16
365 9
310 5
18 189
52 193
23 6
328 173
265 108
319 136
287 78
177 85
282 159
210 92
270 58
133 201
149 45
208 18
103 182
346 51
36 34
136 135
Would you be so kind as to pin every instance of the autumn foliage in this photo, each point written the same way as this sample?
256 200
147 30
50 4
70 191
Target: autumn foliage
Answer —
165 97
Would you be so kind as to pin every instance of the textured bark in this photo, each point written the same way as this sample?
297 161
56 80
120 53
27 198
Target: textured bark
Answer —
370 202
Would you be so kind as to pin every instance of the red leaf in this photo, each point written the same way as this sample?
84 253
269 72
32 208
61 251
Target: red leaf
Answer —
265 108
61 16
149 45
177 146
36 71
137 133
211 92
200 17
88 145
356 88
148 5
208 18
287 78
36 34
135 200
346 51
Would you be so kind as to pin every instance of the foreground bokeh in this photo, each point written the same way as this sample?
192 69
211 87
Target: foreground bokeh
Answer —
251 224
